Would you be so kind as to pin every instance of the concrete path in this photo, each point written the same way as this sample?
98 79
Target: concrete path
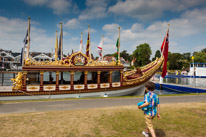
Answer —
90 103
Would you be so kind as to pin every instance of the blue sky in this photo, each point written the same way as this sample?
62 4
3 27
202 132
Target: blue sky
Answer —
141 21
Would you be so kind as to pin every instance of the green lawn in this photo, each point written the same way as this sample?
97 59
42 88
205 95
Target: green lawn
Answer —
178 120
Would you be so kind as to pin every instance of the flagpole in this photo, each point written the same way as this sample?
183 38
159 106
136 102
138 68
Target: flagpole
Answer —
28 46
61 40
56 47
23 55
81 42
102 46
119 44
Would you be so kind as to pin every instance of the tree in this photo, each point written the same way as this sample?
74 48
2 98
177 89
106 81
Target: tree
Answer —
125 55
186 58
203 50
157 54
200 57
142 54
175 61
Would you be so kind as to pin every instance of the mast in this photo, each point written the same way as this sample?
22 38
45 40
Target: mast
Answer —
28 46
61 40
56 47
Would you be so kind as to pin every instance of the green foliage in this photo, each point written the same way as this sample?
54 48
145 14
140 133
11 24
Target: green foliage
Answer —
142 54
125 55
203 50
200 57
175 61
179 61
157 54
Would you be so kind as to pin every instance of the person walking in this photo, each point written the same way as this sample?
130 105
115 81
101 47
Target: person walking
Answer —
151 101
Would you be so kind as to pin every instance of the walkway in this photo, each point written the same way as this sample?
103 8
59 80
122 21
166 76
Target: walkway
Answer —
43 106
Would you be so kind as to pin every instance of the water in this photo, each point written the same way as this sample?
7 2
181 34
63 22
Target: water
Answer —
193 82
168 92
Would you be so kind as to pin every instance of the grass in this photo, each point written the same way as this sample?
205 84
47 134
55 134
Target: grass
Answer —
21 101
178 120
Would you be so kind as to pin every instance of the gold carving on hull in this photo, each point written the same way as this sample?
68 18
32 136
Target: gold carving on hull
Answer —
74 60
17 81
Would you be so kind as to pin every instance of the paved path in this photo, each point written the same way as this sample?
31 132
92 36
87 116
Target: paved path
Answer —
90 103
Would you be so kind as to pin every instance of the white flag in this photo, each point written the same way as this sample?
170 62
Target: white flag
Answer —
99 50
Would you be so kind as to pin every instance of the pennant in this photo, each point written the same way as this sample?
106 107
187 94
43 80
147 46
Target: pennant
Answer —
25 41
99 50
88 46
117 45
164 50
80 46
60 45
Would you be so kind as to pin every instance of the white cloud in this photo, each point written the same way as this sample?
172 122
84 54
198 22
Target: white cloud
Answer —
95 9
111 29
13 32
58 6
151 9
91 31
190 24
72 24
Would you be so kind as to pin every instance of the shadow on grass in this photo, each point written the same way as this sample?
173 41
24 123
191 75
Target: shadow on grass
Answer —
160 133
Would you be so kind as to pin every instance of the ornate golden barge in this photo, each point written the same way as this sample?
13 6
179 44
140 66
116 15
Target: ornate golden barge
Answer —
79 74
64 77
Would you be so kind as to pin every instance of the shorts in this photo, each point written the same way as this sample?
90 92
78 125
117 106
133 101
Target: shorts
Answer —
148 120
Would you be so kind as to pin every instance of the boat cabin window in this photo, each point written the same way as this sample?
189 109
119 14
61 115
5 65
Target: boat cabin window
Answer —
92 77
116 76
64 78
49 78
79 77
191 65
33 78
104 77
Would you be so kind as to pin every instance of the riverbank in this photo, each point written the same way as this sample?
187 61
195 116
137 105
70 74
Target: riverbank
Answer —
178 119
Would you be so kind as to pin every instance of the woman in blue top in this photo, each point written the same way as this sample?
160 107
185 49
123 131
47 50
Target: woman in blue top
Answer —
152 101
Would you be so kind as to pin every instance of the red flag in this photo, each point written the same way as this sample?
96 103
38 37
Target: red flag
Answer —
164 49
88 46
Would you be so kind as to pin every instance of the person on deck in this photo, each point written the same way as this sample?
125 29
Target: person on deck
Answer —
151 100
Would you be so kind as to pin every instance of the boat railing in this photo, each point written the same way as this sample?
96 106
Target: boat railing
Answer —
150 71
146 68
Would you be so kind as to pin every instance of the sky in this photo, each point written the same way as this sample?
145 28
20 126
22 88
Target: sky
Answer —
140 21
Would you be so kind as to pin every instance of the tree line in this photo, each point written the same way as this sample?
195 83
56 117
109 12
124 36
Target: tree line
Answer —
176 61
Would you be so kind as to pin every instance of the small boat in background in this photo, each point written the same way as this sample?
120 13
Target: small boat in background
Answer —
197 70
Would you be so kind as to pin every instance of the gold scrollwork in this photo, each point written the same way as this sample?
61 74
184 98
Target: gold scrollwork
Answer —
17 81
